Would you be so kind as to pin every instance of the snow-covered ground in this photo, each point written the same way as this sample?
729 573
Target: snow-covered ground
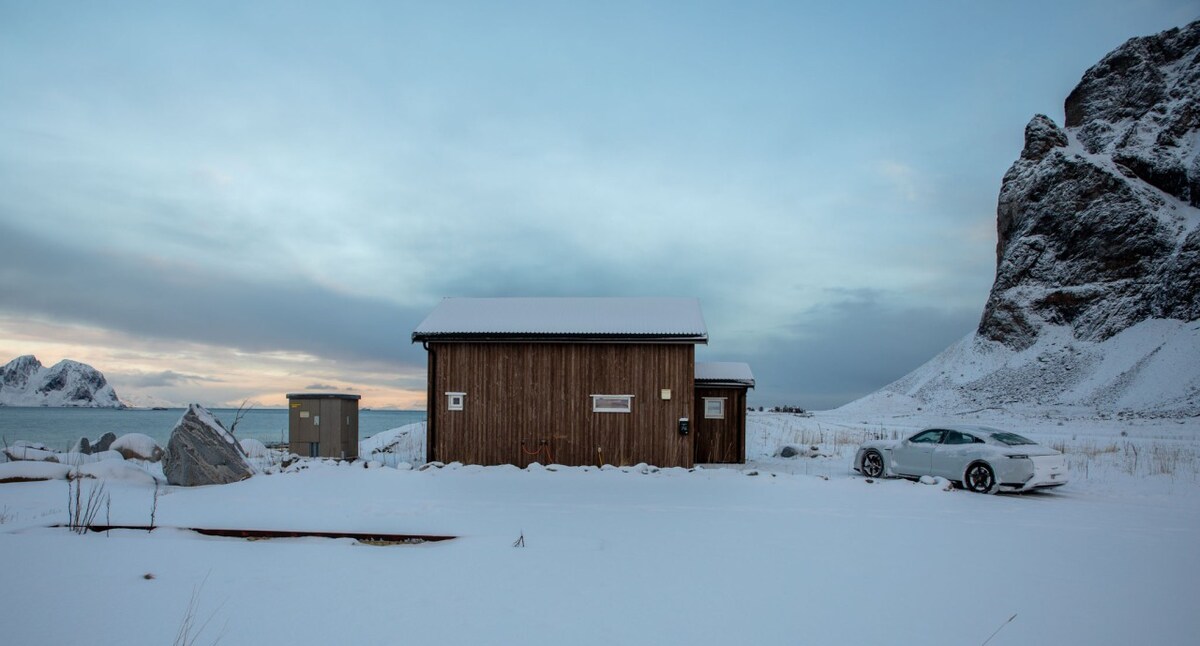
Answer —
798 550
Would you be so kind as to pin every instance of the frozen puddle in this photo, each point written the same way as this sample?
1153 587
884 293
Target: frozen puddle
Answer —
366 538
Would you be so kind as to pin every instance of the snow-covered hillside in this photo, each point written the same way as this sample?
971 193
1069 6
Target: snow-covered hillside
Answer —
1150 369
24 381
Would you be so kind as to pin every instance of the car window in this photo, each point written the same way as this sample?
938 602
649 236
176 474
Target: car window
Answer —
955 437
927 437
1011 439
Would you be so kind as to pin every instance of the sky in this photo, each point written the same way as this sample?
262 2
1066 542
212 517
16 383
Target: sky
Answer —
225 202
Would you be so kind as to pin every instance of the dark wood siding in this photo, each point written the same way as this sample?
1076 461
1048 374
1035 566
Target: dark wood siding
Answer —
532 403
721 440
331 424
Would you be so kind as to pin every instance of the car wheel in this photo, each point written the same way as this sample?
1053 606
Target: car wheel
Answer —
980 478
872 464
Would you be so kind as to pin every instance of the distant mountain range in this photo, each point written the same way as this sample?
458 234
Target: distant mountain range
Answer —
1096 302
24 381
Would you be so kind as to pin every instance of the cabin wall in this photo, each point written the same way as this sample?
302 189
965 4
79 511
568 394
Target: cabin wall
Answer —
721 440
529 403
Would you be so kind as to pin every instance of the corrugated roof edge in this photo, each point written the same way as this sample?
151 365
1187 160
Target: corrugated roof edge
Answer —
322 396
741 383
551 337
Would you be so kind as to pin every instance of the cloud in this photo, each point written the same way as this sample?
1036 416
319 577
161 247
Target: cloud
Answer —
321 387
170 299
163 379
851 345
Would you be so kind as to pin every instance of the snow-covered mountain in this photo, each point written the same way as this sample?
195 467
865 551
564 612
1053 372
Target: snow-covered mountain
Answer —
24 381
1097 294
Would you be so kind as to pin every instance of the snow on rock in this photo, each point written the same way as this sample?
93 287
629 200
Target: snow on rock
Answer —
253 448
202 452
942 483
25 471
18 453
116 470
1096 301
395 447
138 446
1098 223
24 381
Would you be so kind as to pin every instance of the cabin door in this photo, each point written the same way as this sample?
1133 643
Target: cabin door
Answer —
717 420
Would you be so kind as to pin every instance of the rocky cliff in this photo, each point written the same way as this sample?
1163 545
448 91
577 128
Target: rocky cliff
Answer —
1097 290
1098 227
25 382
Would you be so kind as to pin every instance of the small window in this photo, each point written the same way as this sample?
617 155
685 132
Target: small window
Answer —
454 401
928 437
1011 439
612 403
954 437
714 408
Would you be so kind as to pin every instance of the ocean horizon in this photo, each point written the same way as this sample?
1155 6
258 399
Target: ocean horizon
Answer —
60 428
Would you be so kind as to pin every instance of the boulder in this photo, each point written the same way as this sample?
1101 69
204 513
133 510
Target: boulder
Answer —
137 446
86 447
202 452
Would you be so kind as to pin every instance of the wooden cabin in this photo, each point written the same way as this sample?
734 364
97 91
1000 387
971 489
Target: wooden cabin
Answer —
720 412
573 381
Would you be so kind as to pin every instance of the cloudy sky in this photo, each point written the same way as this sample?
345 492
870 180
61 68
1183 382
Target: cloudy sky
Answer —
215 202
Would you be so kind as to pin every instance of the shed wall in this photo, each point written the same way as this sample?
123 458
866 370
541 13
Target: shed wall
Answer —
331 423
529 403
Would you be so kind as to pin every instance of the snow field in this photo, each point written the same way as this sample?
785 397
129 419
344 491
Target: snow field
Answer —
805 551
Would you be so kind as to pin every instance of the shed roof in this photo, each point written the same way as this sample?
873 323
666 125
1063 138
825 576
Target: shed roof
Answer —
731 373
323 396
599 319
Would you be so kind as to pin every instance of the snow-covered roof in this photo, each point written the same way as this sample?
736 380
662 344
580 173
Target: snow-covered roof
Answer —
724 372
636 319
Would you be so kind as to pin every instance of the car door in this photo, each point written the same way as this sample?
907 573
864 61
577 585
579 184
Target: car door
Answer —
914 456
951 456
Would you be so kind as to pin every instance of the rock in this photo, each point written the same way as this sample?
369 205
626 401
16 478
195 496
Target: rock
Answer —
87 448
1103 241
137 446
1096 296
104 443
202 452
789 451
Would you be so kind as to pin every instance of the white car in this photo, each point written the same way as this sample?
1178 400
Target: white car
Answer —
979 458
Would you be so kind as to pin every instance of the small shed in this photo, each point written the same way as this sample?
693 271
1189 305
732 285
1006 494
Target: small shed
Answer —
323 425
720 411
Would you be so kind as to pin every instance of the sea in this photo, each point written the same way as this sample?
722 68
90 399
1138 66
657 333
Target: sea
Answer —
60 428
